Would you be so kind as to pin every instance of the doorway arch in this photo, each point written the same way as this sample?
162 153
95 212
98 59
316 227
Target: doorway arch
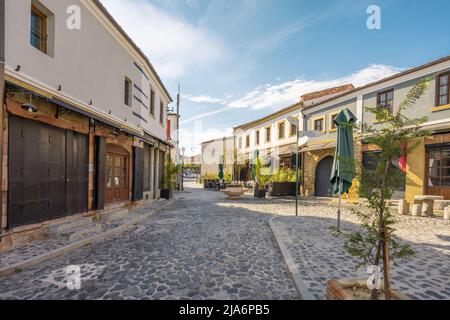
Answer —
323 187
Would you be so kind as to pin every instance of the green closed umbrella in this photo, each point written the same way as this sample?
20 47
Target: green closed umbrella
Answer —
343 171
221 168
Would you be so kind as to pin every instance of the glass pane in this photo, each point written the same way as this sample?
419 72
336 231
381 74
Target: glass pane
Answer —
117 173
433 182
445 172
443 100
445 160
443 90
124 173
445 182
433 170
36 22
108 171
443 80
390 95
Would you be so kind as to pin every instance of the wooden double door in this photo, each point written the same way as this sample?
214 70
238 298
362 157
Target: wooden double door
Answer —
47 172
117 176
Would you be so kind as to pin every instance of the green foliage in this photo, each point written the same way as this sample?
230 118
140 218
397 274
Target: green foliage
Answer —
285 175
228 176
262 179
171 171
210 177
378 185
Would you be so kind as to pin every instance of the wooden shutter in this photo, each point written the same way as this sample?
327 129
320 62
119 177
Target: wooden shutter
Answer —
100 143
138 174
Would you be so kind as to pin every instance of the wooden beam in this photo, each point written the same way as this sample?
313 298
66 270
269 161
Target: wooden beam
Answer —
2 95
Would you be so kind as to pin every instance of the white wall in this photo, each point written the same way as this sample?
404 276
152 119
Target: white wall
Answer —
89 64
275 142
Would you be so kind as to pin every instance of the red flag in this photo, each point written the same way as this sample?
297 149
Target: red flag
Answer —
404 158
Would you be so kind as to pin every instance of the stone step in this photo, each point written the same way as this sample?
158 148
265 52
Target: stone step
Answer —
112 214
393 203
83 232
65 227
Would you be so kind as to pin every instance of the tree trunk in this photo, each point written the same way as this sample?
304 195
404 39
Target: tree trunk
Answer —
387 269
384 236
374 294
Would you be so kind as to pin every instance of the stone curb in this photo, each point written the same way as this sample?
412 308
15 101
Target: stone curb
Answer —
291 265
11 269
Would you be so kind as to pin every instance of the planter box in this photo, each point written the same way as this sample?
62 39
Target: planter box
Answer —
166 194
282 189
259 193
342 290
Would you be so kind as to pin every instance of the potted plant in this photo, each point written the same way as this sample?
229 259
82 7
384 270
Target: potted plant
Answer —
169 183
376 246
283 183
261 179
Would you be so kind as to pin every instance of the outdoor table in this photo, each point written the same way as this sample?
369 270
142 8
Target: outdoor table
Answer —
427 204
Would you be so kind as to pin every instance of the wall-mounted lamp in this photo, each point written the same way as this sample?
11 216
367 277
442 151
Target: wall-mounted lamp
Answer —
110 112
90 102
18 68
59 88
30 107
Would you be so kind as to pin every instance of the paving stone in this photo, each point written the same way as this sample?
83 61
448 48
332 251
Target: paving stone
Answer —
192 249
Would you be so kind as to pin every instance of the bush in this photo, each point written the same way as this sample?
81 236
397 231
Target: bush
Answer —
285 175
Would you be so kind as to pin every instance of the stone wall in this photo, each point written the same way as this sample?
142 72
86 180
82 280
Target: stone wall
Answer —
311 159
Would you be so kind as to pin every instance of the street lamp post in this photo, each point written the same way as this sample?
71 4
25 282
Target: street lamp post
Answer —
293 121
182 169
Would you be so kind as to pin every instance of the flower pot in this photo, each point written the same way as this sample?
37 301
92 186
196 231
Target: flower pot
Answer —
166 194
355 290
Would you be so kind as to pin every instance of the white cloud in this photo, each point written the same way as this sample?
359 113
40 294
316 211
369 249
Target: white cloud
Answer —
286 93
204 99
174 46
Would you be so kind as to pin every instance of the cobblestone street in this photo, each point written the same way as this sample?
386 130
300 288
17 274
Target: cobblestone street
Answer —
320 255
203 246
199 248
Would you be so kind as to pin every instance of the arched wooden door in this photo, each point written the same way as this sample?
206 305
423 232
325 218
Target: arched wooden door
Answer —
117 175
323 186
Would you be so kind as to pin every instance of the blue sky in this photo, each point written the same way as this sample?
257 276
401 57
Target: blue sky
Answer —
238 60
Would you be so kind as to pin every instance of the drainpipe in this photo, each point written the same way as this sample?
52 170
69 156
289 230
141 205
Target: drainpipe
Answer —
2 100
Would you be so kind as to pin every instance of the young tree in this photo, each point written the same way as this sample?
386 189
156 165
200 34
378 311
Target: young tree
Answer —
395 136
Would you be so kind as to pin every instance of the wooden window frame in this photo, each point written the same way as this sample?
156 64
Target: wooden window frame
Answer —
268 134
315 120
240 143
439 169
257 137
386 93
152 103
279 124
44 35
292 134
332 116
128 89
247 141
438 88
161 112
